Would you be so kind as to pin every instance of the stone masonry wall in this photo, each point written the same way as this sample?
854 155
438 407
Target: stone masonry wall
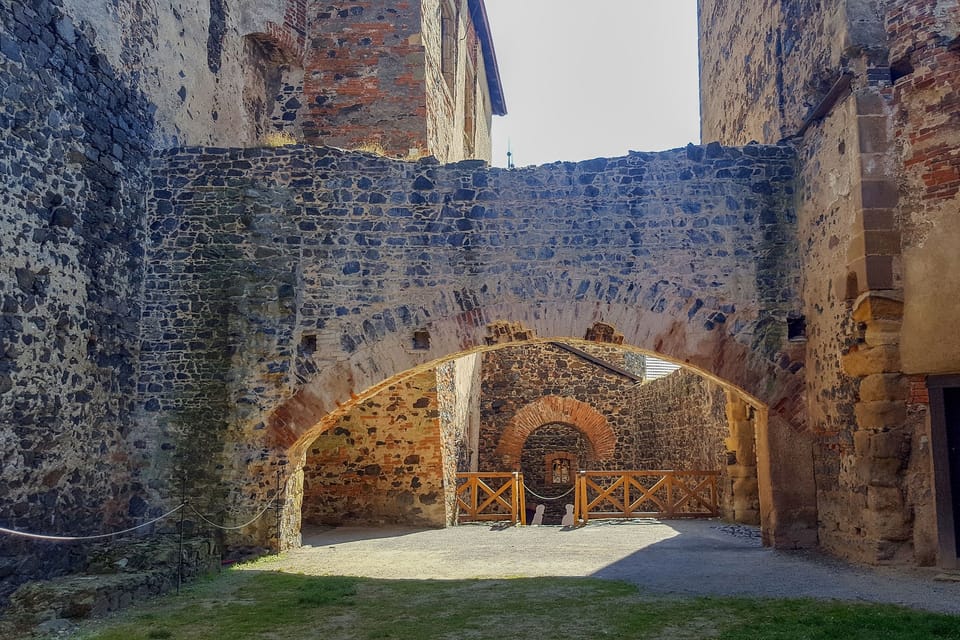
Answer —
458 399
296 276
74 155
878 176
685 417
514 377
677 422
382 462
364 81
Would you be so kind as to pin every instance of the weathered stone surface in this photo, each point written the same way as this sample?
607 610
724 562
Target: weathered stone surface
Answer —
381 463
71 271
866 360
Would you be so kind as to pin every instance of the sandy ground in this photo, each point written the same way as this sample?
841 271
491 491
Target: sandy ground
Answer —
699 557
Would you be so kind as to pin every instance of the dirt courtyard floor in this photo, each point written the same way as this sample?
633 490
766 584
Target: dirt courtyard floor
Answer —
687 557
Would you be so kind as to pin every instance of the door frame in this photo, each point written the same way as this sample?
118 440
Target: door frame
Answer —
942 488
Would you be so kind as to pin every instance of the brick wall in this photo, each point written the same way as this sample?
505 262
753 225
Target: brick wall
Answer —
363 82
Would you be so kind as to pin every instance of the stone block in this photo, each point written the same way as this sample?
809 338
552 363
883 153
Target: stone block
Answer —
881 387
881 499
880 414
873 272
879 472
887 525
874 133
872 307
890 444
879 194
877 219
865 360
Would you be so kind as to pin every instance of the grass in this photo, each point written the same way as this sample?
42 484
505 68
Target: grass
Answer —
249 603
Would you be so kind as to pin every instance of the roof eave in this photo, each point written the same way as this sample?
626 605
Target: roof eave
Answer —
478 14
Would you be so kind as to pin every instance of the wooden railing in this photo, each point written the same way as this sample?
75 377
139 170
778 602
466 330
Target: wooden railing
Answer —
491 496
638 494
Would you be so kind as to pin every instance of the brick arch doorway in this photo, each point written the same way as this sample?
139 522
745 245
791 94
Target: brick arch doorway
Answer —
556 410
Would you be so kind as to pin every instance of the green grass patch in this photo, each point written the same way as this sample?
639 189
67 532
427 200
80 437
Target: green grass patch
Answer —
249 603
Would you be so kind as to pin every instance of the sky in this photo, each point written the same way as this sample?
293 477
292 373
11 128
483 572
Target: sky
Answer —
594 78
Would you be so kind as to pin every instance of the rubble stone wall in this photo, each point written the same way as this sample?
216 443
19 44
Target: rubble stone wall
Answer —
75 144
382 462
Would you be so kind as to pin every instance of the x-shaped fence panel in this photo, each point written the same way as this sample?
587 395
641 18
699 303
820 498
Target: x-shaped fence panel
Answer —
491 496
637 494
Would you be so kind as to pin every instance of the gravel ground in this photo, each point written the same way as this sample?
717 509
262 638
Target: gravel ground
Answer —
692 557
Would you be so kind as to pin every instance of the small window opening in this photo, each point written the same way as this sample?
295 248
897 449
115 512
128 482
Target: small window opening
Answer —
900 68
421 340
560 474
796 328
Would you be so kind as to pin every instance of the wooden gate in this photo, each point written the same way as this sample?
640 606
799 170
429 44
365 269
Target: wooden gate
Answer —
638 494
491 496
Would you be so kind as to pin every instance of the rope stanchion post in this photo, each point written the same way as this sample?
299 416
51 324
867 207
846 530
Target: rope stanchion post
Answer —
276 506
183 500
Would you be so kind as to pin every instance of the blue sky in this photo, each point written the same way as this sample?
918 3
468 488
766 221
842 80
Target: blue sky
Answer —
591 78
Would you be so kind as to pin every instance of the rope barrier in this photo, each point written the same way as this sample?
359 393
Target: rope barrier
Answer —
39 536
537 495
50 538
223 528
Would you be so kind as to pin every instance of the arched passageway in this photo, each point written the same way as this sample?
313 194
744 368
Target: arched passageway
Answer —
329 276
390 455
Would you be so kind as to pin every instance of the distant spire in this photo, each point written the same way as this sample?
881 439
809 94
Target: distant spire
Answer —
509 155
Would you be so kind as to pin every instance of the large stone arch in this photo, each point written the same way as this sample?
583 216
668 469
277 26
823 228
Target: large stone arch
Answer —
773 387
556 409
728 354
318 276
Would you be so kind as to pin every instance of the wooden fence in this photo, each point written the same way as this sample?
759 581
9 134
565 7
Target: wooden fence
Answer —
638 494
491 496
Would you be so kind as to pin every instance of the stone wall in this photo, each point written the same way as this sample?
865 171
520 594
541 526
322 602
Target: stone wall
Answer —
74 156
382 463
458 400
515 377
676 422
364 82
297 279
681 423
865 90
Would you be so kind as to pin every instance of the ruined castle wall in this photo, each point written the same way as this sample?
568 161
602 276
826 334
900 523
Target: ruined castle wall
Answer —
74 156
458 399
685 417
676 422
514 377
272 270
878 174
211 69
363 86
925 47
381 463
765 66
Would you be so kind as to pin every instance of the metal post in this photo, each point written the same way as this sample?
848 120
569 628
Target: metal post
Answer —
183 501
276 508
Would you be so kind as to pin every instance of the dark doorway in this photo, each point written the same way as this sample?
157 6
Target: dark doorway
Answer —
945 440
